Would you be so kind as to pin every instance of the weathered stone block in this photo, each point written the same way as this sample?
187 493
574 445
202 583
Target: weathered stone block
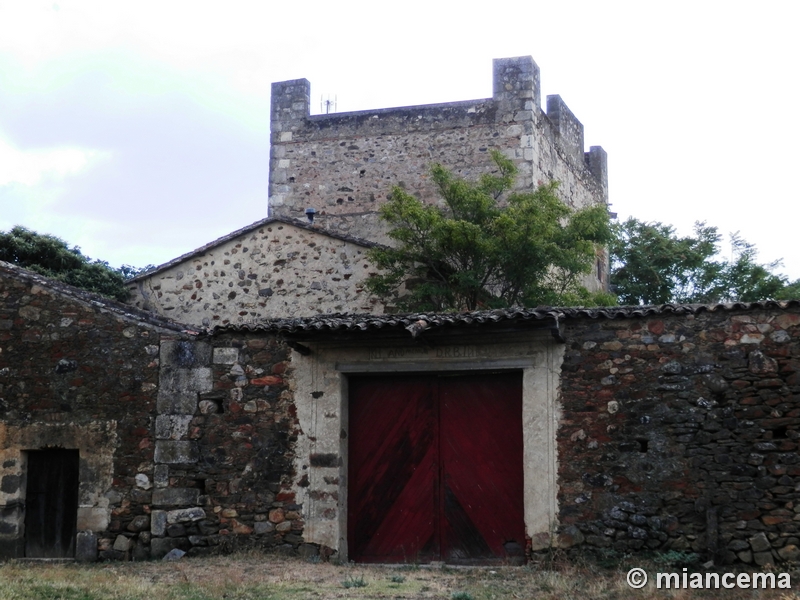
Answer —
184 354
176 402
570 536
160 547
93 519
171 452
759 543
790 553
158 522
226 356
176 497
172 426
161 476
122 543
143 481
186 380
763 558
185 515
308 550
86 546
174 554
206 527
262 527
140 552
760 363
139 523
746 556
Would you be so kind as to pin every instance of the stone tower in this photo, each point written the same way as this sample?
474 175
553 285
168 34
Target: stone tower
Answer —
343 165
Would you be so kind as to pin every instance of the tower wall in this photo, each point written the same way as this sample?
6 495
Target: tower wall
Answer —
344 164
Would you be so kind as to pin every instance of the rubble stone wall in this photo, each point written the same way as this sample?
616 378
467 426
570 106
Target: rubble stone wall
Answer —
274 270
225 429
666 431
74 375
184 443
680 432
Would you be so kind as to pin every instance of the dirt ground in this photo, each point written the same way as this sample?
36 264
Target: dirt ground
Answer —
253 576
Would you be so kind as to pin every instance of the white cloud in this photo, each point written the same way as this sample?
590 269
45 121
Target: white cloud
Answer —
32 167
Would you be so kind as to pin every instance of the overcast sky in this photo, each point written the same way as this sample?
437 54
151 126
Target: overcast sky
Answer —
140 130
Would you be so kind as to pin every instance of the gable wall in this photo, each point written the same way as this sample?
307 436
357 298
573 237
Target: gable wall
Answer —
277 270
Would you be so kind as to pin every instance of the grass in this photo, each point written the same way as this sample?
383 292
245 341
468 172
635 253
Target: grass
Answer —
354 582
265 577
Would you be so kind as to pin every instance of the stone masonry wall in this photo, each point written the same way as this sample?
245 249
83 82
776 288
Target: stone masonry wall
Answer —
76 373
225 431
344 165
680 432
273 269
183 442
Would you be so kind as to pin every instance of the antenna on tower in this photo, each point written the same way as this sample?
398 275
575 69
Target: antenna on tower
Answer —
327 106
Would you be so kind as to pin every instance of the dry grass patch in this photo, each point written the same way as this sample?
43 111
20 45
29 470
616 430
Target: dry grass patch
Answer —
267 577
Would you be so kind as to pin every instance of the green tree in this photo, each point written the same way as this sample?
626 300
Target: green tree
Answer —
487 246
52 257
651 264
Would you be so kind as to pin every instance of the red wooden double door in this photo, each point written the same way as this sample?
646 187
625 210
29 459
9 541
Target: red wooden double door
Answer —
435 468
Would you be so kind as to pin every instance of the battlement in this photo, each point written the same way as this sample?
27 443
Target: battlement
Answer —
516 97
344 164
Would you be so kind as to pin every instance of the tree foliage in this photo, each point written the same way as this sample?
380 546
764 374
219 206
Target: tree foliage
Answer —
651 264
52 257
487 246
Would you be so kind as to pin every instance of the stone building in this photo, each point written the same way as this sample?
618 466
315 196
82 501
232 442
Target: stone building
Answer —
632 429
343 166
256 396
273 267
124 435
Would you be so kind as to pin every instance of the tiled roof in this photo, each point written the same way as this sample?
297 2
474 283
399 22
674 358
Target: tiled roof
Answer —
245 230
10 271
421 321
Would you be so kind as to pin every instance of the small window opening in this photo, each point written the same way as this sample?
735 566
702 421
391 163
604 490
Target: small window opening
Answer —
642 444
779 433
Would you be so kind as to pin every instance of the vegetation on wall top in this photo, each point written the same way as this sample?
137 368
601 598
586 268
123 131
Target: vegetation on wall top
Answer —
52 257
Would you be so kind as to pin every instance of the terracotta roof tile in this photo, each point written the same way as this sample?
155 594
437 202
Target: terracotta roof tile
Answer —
360 322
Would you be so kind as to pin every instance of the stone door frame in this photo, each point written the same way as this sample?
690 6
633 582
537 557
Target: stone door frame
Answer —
321 396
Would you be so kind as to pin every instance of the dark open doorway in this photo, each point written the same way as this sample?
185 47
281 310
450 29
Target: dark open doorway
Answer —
51 505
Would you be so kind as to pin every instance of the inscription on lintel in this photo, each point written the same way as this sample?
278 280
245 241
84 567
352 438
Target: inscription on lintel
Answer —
468 351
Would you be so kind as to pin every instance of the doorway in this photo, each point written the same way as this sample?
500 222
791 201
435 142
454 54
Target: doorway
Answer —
435 468
51 504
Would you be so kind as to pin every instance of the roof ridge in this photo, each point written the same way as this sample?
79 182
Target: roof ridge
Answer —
92 298
363 322
246 229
